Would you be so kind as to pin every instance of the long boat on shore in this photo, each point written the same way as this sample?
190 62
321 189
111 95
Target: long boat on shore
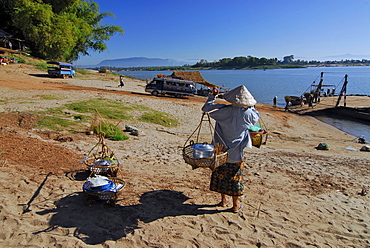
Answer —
355 113
361 114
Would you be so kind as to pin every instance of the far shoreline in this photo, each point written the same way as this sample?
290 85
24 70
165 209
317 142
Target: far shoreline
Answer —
181 68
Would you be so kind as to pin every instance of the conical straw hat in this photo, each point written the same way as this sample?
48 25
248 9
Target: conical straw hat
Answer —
240 96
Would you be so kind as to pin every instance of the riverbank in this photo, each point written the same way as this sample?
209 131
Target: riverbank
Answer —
296 195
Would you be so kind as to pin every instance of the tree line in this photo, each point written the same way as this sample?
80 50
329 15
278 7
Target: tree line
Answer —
57 29
254 62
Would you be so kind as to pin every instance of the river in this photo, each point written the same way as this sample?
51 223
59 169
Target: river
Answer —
265 84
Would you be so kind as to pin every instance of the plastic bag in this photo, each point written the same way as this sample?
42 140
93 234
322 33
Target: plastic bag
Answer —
98 180
255 128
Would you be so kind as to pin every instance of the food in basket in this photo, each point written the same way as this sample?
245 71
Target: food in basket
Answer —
98 180
103 162
100 184
219 157
104 187
203 150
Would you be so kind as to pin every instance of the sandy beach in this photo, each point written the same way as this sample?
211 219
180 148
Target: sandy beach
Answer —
296 195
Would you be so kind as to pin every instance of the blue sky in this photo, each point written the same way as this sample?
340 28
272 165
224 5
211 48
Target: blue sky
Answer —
215 29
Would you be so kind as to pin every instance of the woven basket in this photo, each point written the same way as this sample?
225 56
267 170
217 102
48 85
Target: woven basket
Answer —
212 162
101 170
257 138
109 196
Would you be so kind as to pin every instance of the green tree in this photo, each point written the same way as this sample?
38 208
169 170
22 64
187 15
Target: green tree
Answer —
238 61
288 59
59 29
224 61
252 61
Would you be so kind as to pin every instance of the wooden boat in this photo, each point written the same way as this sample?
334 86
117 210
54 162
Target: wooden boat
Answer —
294 100
361 114
356 113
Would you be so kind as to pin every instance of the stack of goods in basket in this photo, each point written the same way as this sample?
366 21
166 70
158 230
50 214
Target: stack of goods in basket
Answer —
103 161
103 183
102 188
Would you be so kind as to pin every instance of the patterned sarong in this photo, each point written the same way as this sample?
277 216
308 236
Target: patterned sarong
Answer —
228 179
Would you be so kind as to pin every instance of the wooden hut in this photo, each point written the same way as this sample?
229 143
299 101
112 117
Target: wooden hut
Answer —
4 39
9 44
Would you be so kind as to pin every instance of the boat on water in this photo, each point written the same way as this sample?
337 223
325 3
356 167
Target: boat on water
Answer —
361 114
315 91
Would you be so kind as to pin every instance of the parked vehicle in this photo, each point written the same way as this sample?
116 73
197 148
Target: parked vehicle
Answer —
61 69
170 86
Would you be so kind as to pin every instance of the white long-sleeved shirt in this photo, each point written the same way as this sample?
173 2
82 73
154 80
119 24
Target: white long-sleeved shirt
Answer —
231 129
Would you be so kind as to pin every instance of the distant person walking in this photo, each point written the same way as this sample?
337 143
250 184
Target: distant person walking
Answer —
275 101
121 83
302 101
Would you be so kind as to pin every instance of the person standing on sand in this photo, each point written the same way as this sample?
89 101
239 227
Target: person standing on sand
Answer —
302 101
310 100
275 101
231 129
121 83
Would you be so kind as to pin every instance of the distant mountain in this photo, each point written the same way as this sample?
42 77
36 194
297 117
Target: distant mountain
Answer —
143 62
336 57
345 56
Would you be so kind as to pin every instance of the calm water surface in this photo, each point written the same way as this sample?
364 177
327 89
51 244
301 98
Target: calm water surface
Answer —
264 85
348 126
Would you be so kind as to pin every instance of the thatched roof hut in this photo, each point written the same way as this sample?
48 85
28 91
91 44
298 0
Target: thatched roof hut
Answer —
6 38
194 76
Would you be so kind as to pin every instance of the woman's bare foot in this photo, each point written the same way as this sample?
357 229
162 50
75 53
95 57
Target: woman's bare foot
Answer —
223 203
237 209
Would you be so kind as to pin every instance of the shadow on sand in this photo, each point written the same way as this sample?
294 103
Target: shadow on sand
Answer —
41 75
97 223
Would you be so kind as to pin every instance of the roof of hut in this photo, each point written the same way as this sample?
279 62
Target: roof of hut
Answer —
4 34
194 76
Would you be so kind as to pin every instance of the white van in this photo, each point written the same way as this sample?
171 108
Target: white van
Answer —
170 86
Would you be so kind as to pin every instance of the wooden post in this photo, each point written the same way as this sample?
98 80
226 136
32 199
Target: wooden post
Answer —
319 86
343 92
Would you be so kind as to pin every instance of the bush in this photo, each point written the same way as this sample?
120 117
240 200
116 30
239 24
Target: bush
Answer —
110 131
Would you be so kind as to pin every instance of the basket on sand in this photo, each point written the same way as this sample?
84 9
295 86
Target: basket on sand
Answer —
101 160
110 195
